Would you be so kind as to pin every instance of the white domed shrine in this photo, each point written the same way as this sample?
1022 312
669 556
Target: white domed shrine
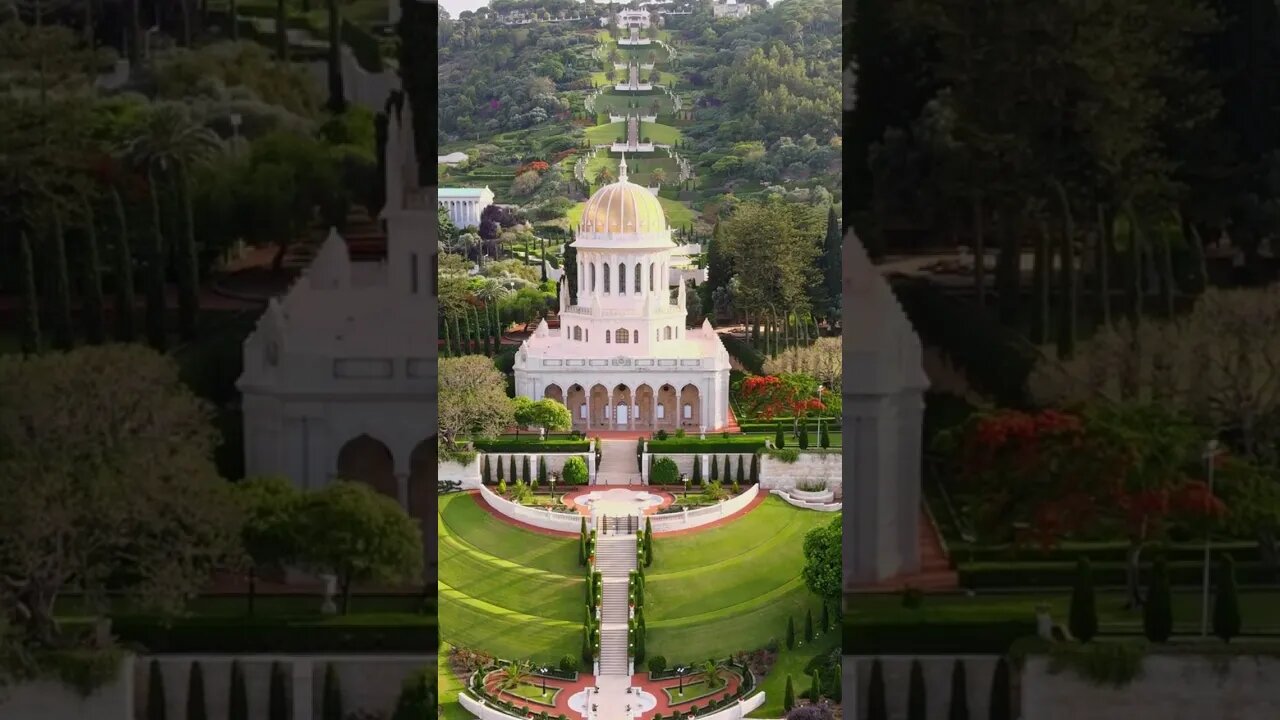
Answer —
622 358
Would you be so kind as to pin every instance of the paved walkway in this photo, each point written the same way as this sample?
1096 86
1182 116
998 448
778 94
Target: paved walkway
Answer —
614 696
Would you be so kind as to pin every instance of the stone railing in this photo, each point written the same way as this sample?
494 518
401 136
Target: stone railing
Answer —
545 519
686 519
821 506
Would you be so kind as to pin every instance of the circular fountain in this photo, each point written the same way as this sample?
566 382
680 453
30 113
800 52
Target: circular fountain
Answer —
619 501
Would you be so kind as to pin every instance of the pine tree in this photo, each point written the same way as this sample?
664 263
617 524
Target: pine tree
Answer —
779 441
196 709
1226 603
824 440
278 699
804 435
155 693
959 709
791 633
789 696
1001 696
238 703
832 262
715 468
741 476
877 708
808 624
916 702
1157 612
1083 621
331 708
524 469
485 475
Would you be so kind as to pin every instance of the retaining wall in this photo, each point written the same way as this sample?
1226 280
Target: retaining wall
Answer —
810 467
937 669
670 522
546 519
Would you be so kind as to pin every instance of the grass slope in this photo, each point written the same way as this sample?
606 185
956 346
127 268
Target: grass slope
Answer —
617 132
792 662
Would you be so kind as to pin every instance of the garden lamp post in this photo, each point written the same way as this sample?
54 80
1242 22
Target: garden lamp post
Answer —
552 478
821 388
684 478
1210 452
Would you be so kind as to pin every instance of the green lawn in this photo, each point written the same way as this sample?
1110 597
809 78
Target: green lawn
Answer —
617 132
504 590
730 588
792 662
620 103
693 691
533 693
450 686
1259 610
678 214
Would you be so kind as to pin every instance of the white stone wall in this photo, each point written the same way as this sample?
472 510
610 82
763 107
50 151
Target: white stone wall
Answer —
546 519
670 522
52 700
555 463
979 671
468 475
1171 687
809 467
684 463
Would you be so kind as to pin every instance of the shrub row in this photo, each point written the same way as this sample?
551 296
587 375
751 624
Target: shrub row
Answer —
1241 550
1057 574
270 635
731 444
532 445
994 637
742 351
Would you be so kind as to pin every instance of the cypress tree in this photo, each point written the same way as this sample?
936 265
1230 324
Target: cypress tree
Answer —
697 470
808 624
826 617
485 475
331 708
278 700
779 441
1083 621
791 633
195 694
1226 604
755 468
832 262
837 690
238 703
155 693
1157 613
741 476
1001 696
499 464
511 465
959 709
524 469
815 687
715 468
571 269
582 550
587 655
877 708
648 544
789 696
824 440
916 703
542 470
804 435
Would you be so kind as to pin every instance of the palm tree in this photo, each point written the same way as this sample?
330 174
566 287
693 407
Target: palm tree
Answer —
658 176
169 145
491 291
711 673
513 674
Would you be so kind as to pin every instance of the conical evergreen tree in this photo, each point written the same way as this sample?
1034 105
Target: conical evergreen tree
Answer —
1226 603
648 544
1001 695
779 440
1157 612
959 708
916 702
824 439
715 468
485 475
791 633
155 693
789 696
815 686
697 470
511 465
804 435
755 468
1083 621
832 261
331 708
542 470
238 702
740 476
877 707
278 699
826 617
196 709
524 469
499 464
837 688
808 624
571 268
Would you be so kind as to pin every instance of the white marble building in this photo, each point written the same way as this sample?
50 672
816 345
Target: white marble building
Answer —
730 8
633 19
465 204
622 358
339 375
883 392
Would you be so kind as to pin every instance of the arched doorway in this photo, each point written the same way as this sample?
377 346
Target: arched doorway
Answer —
645 410
577 404
690 411
599 407
553 392
666 416
367 460
624 413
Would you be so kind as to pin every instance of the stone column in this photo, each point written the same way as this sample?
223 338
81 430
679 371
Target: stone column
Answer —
302 691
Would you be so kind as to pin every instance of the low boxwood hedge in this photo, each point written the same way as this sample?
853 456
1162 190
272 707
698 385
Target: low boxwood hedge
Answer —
731 444
1240 550
1062 574
273 634
532 445
910 638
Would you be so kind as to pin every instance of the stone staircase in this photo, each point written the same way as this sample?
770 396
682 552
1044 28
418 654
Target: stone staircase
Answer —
618 463
615 559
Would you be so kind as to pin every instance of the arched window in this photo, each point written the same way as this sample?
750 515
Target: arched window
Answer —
586 336
622 336
639 284
606 336
582 277
662 411
668 329
622 279
650 277
593 277
636 334
577 333
688 411
604 272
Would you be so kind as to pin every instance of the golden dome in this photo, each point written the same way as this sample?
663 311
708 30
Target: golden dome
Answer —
623 207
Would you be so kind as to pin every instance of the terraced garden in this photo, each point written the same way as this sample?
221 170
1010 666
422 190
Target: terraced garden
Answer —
617 132
678 214
636 102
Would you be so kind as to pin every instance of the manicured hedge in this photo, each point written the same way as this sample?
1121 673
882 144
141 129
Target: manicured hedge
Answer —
771 425
996 360
532 445
275 635
731 444
1242 551
993 637
742 351
1062 574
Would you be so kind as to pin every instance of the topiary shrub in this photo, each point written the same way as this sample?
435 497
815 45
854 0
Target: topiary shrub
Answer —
1157 612
877 709
1226 604
196 709
789 696
331 700
663 471
575 471
1083 619
959 706
155 692
1001 693
238 702
779 440
916 702
715 468
278 698
569 664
